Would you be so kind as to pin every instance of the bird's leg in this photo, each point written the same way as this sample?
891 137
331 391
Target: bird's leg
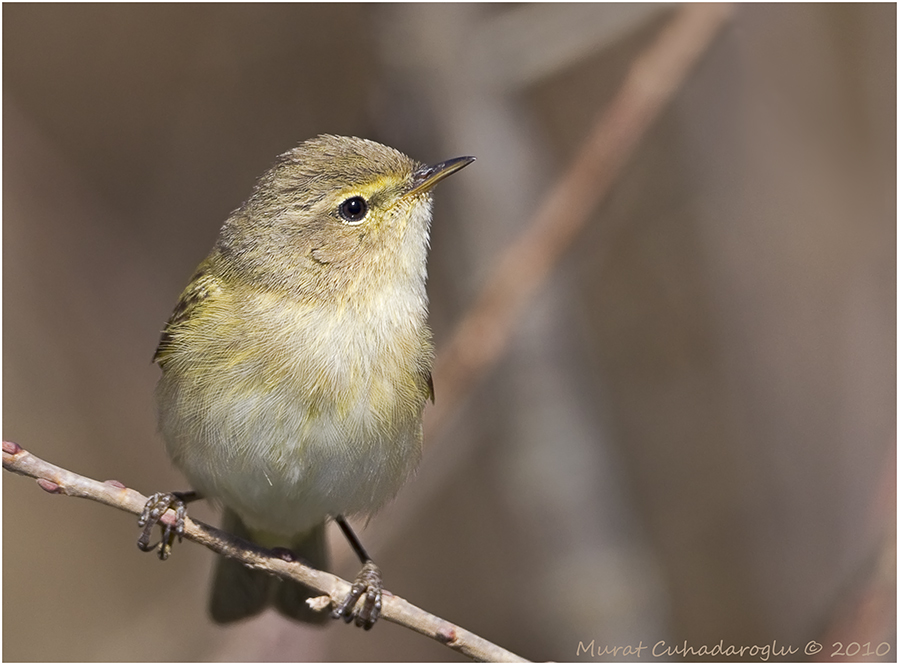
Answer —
367 586
155 508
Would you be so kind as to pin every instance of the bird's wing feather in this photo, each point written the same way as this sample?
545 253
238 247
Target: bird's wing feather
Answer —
203 285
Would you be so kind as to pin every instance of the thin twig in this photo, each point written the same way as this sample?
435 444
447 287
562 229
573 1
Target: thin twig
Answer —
56 480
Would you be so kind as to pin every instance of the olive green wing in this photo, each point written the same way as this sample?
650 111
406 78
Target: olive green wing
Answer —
203 285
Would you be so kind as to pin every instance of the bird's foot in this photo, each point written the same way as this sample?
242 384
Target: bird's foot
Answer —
367 588
157 505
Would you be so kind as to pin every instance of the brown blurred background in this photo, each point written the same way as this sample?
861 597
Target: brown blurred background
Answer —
693 434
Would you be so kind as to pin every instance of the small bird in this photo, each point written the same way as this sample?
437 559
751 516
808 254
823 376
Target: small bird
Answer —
297 363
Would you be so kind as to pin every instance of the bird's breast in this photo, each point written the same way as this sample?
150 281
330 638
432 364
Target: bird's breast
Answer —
289 412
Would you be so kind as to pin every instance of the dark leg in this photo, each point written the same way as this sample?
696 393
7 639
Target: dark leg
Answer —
367 585
353 539
156 507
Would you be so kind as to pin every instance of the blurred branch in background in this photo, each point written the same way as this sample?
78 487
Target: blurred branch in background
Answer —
865 610
655 77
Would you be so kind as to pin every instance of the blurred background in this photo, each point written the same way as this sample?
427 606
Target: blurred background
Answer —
692 436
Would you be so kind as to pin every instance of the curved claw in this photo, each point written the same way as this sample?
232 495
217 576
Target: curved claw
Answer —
155 508
368 588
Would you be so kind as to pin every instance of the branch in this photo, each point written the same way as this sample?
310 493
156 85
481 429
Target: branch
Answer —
56 480
654 79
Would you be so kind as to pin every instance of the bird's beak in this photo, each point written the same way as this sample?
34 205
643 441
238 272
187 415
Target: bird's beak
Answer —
425 177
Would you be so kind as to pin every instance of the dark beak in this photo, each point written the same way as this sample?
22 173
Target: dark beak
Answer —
425 177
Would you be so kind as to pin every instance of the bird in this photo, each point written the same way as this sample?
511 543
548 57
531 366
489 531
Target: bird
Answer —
296 366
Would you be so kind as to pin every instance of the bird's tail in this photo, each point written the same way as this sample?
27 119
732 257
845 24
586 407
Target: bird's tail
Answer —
239 592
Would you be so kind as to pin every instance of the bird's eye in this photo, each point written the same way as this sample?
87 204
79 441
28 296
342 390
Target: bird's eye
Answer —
353 210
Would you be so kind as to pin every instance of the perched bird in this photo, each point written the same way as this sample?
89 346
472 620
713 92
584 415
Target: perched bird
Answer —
297 363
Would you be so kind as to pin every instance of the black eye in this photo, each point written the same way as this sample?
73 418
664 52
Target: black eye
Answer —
354 209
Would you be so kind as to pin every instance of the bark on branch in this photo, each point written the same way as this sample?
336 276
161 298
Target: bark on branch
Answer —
56 480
